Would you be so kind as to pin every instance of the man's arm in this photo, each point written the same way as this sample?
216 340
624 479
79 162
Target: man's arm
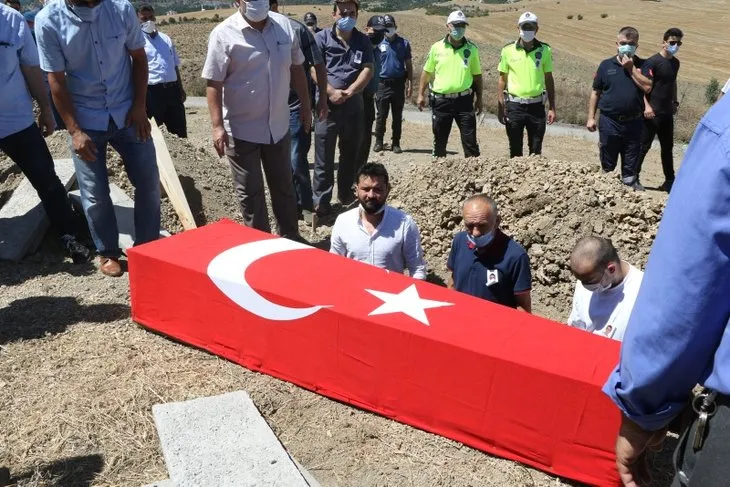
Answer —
478 90
522 276
37 87
183 95
337 245
362 80
648 110
425 80
138 114
550 88
300 85
501 87
412 251
409 77
524 301
592 106
641 80
214 96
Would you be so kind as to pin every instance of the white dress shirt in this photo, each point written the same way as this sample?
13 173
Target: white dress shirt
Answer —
161 58
254 68
394 245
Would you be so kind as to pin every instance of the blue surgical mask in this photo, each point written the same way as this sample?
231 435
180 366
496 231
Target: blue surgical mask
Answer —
627 50
346 24
87 14
481 240
457 33
673 49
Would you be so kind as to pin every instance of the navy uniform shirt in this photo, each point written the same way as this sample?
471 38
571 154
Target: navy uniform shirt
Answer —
496 274
664 73
344 62
393 57
619 94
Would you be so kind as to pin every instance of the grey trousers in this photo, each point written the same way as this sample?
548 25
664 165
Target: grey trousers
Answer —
246 160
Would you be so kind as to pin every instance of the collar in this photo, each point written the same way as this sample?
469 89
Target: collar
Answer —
535 45
240 21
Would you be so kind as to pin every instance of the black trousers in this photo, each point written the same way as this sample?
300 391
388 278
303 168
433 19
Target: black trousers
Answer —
29 151
165 105
663 127
343 129
617 138
391 94
369 108
444 111
519 117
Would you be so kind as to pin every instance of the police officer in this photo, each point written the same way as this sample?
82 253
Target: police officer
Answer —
619 87
525 77
375 30
396 81
454 74
310 20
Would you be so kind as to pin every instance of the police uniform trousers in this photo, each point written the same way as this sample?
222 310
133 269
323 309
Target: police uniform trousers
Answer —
443 112
621 135
391 94
520 116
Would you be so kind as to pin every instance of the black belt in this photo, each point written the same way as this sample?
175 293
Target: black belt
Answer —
165 85
624 118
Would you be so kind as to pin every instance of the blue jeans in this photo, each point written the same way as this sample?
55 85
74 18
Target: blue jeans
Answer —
140 163
301 141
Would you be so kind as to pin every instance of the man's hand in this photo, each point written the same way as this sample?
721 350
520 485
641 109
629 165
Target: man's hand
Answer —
421 102
220 140
183 95
305 117
338 97
322 109
675 107
501 116
46 122
649 112
409 88
138 116
631 446
591 124
84 147
551 116
627 63
478 105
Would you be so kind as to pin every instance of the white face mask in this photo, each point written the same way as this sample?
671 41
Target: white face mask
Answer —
391 31
257 10
149 27
602 286
527 35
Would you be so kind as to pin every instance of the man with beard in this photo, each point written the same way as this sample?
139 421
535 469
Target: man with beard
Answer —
376 233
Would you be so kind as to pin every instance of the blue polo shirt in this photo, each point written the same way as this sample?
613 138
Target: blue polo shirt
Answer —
619 94
95 57
495 274
344 62
393 57
16 49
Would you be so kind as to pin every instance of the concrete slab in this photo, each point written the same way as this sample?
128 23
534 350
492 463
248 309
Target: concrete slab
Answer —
162 483
124 211
23 221
222 441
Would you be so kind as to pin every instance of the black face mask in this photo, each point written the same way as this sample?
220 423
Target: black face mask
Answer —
376 37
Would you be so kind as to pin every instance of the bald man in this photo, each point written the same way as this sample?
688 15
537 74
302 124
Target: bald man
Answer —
486 263
605 290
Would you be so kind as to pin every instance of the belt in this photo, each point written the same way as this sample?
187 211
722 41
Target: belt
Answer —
166 85
525 101
452 95
624 118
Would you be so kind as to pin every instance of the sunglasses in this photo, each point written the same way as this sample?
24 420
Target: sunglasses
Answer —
675 43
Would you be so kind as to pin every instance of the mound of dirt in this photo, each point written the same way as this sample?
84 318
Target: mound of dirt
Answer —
546 205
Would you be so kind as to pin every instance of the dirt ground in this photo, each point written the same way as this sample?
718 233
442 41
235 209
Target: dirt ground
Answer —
79 378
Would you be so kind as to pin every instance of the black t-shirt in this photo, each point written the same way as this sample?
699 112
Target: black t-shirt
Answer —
619 94
664 72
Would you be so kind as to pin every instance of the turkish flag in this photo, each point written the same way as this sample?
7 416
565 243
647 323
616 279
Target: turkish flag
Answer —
500 380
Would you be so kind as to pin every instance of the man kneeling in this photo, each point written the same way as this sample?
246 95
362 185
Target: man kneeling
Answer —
376 233
606 288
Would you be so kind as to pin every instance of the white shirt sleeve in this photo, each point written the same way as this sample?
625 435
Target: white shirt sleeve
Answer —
574 315
297 57
217 60
337 245
412 250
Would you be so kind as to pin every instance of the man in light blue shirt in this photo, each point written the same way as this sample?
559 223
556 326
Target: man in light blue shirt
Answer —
165 93
678 334
20 138
94 54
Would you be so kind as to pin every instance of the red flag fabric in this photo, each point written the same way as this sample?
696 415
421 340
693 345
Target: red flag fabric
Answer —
500 380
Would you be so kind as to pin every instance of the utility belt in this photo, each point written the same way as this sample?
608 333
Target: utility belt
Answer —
171 84
452 95
624 118
525 101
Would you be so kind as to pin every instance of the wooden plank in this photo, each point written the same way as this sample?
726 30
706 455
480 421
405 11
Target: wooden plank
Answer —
170 180
23 221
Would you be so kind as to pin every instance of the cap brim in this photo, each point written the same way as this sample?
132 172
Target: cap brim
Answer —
459 23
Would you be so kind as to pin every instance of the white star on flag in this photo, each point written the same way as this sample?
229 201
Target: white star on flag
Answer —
407 302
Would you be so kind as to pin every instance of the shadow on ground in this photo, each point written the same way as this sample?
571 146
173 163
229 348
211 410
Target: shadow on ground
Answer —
38 316
66 472
195 200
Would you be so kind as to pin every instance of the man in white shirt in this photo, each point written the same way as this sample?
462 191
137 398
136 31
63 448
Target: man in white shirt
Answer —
165 93
253 55
376 233
605 290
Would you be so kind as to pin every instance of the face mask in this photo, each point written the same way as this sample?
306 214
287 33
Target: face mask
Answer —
375 37
390 31
149 27
457 33
372 207
257 11
527 35
482 240
87 14
627 50
600 287
346 24
672 49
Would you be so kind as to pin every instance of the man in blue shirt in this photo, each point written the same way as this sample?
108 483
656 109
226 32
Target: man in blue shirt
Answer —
486 263
396 83
93 52
375 30
20 138
678 334
165 93
348 56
